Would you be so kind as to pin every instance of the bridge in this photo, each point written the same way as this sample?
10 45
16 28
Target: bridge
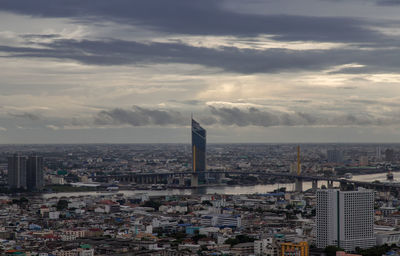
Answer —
170 177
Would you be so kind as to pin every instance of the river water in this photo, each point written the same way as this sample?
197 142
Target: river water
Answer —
224 190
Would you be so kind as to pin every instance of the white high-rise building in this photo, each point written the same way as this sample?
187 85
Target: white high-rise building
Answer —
379 153
345 218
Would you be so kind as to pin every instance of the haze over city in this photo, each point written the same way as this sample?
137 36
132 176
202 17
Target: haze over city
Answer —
249 71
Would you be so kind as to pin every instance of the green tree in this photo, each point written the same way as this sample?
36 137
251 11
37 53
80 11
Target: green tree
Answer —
152 204
23 202
231 241
289 207
196 238
179 236
239 239
374 251
244 239
331 250
62 205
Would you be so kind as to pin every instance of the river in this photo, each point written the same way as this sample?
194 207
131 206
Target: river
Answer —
225 190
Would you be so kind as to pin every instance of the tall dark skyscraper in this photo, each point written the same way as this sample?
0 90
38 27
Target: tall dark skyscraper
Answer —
198 150
34 171
17 172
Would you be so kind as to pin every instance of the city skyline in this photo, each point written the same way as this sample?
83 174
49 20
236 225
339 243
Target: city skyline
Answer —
146 199
260 71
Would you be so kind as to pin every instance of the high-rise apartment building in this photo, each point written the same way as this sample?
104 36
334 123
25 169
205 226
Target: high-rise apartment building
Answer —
34 173
17 172
25 173
335 156
345 218
378 154
199 150
389 155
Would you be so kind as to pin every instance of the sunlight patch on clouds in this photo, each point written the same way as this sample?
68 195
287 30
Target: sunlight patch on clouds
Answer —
263 42
325 80
384 78
389 31
344 66
232 104
53 127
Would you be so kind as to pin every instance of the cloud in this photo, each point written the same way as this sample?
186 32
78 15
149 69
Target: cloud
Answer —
256 117
139 117
26 115
53 127
241 117
2 129
187 102
377 2
247 61
40 36
208 17
267 118
388 2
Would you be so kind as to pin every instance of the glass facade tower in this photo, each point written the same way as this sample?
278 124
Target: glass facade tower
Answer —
198 150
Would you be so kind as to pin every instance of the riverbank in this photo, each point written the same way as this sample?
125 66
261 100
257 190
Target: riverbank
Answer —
217 189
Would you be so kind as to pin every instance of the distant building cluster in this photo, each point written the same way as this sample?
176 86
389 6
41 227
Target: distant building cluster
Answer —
116 213
25 172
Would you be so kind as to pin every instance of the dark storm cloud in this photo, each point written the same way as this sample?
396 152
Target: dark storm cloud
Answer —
26 115
388 2
256 117
40 36
377 2
247 61
266 118
188 102
117 52
227 116
139 117
206 17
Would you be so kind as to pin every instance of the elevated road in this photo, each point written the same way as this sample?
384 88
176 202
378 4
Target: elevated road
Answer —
150 178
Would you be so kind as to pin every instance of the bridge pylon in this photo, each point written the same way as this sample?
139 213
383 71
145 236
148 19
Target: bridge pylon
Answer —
298 185
194 180
315 184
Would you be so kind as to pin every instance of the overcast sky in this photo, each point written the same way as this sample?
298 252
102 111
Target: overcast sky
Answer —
127 71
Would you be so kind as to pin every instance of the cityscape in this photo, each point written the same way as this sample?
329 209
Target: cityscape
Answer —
218 199
199 128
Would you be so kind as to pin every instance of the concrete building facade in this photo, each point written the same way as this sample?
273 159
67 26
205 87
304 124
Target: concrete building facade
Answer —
345 218
17 172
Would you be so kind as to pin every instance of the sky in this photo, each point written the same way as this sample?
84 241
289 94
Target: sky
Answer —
130 71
